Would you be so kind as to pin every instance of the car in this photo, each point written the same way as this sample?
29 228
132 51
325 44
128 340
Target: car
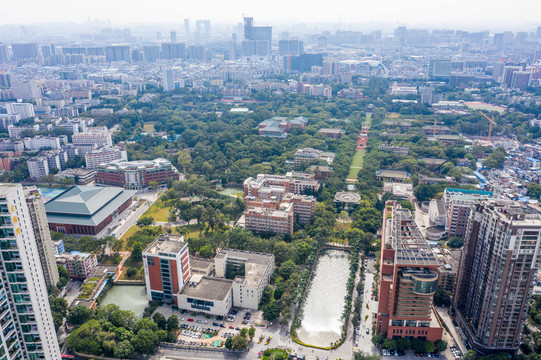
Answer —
181 319
245 321
219 317
190 320
231 327
237 328
215 324
367 331
372 296
222 326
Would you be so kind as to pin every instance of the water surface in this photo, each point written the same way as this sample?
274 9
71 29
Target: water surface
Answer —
127 297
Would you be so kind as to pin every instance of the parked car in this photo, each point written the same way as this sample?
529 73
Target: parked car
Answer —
190 320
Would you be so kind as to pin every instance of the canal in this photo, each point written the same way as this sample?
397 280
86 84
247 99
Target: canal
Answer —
127 297
322 312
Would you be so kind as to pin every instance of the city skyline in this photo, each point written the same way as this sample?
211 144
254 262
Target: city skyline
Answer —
392 12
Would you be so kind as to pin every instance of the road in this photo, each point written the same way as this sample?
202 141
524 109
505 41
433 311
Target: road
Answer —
365 342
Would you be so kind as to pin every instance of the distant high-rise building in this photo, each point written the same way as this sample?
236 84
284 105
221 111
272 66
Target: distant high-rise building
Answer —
303 62
508 74
186 27
151 52
4 54
42 235
5 80
520 79
290 47
173 51
168 79
173 36
26 317
118 53
202 28
538 33
25 51
48 50
257 39
439 69
496 275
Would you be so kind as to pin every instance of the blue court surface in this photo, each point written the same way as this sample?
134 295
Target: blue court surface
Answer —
49 193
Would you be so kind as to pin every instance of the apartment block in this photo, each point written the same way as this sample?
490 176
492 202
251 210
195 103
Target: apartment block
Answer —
27 325
92 138
458 204
408 279
104 155
78 264
497 273
38 167
42 234
262 220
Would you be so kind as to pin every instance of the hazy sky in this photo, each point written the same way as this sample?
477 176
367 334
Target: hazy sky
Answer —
436 12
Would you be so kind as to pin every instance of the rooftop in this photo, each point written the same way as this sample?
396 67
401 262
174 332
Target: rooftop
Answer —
208 288
167 243
86 205
347 197
403 235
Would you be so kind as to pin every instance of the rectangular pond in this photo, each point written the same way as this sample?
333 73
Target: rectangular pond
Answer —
127 297
322 311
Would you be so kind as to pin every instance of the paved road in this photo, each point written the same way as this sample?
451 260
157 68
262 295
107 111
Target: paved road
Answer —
365 343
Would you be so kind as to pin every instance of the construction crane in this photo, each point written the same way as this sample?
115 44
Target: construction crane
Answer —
491 120
435 122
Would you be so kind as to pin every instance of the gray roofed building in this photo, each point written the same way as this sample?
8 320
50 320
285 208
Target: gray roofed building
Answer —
90 207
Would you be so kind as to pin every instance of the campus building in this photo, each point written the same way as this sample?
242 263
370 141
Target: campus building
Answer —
307 155
135 175
86 210
266 186
25 316
408 279
167 268
496 275
104 155
78 264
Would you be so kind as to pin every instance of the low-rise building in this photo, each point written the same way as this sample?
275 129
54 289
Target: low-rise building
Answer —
307 155
437 213
397 176
331 133
400 190
78 264
81 176
135 175
397 150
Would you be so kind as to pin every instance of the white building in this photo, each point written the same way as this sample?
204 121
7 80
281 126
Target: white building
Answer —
38 167
104 155
258 268
40 142
28 323
92 138
24 110
168 79
437 212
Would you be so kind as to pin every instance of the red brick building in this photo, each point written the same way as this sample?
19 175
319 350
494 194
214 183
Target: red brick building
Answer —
408 278
135 175
167 268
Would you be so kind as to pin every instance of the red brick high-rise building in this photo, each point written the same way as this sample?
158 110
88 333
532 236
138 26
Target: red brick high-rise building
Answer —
408 279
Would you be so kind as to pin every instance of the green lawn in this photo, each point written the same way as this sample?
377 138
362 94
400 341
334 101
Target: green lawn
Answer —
356 164
158 211
130 263
131 231
274 354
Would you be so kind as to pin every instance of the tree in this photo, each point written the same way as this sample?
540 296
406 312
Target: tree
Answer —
288 268
441 345
160 320
251 332
145 324
495 159
206 251
429 346
85 339
534 191
131 271
455 242
403 344
59 308
137 252
153 185
271 311
123 318
49 179
145 221
378 339
145 342
173 323
229 343
239 343
389 344
364 356
123 350
79 315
